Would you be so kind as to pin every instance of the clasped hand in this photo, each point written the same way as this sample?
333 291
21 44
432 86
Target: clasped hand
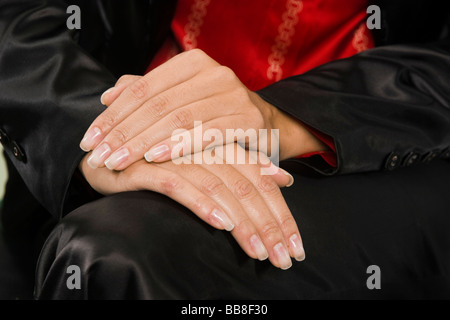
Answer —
142 115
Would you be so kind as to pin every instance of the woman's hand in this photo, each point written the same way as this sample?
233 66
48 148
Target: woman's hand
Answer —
229 196
144 112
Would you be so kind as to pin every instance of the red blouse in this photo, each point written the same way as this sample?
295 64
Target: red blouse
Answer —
264 41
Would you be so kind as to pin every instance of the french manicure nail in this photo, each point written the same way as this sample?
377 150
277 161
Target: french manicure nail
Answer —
297 247
291 178
156 152
91 137
282 256
105 93
270 171
223 219
99 156
258 247
117 158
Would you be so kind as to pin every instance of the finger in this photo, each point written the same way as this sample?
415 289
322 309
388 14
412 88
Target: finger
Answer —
205 135
267 168
182 145
213 187
110 95
248 194
157 118
142 176
134 149
272 196
103 181
177 70
158 179
211 134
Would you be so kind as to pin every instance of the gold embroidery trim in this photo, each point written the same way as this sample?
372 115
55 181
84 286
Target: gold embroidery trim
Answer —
195 22
283 41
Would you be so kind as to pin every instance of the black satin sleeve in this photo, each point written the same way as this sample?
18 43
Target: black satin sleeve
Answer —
49 95
385 108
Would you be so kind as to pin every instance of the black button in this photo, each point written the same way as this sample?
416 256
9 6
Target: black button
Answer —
411 159
17 152
393 161
430 156
446 154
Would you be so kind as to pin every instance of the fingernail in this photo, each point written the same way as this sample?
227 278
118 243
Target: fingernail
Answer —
117 158
270 171
223 219
291 178
99 156
258 248
297 247
282 255
91 137
156 152
105 93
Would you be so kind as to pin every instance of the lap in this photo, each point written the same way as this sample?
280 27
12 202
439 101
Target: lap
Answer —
143 245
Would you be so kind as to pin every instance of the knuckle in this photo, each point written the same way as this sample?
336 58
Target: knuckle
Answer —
139 88
169 185
124 78
211 185
182 118
196 53
199 58
118 136
241 93
243 226
267 185
225 73
107 120
199 206
243 189
141 146
157 106
270 231
287 222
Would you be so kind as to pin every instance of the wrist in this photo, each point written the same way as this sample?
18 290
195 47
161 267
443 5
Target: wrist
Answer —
294 137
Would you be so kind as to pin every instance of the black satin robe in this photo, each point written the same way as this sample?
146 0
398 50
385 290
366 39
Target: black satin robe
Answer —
386 109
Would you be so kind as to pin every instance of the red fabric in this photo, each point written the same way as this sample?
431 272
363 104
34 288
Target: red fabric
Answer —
328 156
264 41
